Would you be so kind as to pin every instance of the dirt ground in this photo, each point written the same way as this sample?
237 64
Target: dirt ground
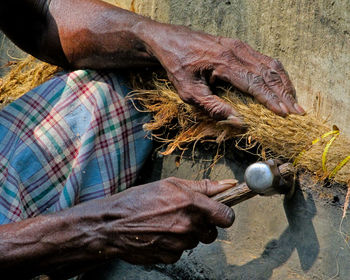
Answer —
272 238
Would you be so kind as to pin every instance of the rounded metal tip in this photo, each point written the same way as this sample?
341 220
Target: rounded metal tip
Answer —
260 178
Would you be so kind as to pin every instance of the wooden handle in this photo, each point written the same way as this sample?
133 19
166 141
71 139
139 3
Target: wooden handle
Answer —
235 195
242 192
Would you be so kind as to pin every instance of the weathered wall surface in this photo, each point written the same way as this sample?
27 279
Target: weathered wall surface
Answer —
8 51
156 9
311 38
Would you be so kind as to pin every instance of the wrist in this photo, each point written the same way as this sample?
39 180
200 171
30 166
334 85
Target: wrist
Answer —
39 245
166 42
152 34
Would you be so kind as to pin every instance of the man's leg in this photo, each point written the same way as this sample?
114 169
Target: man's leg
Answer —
70 140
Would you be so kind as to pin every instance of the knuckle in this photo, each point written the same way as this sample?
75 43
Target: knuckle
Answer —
205 185
288 95
271 99
254 79
238 44
187 97
292 92
174 185
216 107
184 228
272 77
220 39
226 54
170 181
257 80
188 200
277 65
254 82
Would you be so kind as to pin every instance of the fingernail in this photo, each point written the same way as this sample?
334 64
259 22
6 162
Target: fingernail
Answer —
235 121
228 183
231 216
284 108
299 109
231 117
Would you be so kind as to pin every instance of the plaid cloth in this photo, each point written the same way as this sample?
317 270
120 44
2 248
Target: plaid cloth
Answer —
70 140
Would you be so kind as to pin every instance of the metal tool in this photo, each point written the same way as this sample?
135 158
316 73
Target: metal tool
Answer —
263 178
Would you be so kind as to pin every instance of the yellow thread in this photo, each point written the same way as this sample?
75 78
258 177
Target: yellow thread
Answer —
325 135
298 157
339 166
325 152
334 131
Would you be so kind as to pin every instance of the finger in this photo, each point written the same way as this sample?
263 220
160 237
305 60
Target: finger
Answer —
273 80
284 87
245 52
288 90
209 235
199 94
149 257
169 257
216 213
253 84
277 66
178 242
207 187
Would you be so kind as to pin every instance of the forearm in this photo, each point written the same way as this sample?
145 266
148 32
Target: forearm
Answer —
98 35
45 245
77 33
148 224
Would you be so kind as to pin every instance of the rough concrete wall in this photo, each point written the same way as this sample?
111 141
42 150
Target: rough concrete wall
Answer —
155 9
311 38
8 51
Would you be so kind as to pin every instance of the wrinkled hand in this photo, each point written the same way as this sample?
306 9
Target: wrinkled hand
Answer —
194 60
154 223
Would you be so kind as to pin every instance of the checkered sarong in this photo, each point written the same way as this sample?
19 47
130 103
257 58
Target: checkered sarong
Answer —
70 140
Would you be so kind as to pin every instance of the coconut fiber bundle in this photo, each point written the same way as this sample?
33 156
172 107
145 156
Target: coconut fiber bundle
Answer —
307 141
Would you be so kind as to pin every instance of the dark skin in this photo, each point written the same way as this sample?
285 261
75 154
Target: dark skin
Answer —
153 223
148 224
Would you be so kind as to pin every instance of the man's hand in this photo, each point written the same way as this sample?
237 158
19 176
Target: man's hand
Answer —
152 223
195 60
97 35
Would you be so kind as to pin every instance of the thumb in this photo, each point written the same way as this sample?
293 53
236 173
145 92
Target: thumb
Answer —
218 214
208 187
